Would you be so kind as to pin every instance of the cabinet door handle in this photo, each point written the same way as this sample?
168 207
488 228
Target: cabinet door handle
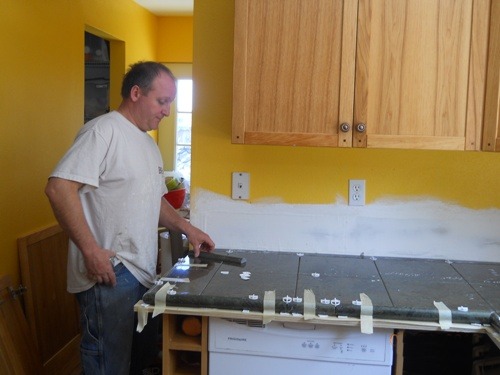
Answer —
361 127
345 127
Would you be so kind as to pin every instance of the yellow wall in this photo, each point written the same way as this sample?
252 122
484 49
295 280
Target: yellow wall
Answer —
313 175
176 41
41 102
41 97
174 45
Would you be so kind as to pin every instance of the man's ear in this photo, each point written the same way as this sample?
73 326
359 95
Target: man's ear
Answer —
135 93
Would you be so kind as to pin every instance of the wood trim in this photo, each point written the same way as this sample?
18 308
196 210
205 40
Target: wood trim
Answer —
204 345
399 360
291 139
38 236
331 320
363 44
415 142
491 140
239 71
348 71
493 335
477 75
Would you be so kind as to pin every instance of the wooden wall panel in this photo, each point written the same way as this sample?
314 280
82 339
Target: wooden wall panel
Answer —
52 312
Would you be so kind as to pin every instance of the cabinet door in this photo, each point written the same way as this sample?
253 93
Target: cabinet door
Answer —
293 71
491 135
414 62
18 352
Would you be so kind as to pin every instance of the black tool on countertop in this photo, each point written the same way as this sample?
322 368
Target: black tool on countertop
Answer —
223 258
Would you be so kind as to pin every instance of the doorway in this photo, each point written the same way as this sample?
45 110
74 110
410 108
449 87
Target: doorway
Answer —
97 76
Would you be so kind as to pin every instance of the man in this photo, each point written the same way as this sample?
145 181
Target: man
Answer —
107 194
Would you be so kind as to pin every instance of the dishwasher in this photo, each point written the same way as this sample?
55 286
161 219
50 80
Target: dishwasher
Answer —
245 347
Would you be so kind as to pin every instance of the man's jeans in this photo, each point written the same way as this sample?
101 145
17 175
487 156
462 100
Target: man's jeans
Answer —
108 326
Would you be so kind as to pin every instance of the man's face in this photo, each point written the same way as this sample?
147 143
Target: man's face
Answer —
155 105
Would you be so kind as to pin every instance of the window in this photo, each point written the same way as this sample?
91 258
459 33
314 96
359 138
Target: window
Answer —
183 127
174 132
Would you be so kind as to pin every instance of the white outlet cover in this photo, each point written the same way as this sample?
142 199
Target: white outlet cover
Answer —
241 185
357 192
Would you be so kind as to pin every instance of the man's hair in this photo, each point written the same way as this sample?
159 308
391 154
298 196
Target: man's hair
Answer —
143 74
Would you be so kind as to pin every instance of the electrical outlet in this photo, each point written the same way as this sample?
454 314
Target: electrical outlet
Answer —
357 192
241 185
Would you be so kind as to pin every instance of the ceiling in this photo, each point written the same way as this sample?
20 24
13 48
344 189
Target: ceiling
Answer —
168 7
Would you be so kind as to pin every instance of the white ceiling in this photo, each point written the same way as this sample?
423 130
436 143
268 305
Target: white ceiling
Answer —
168 7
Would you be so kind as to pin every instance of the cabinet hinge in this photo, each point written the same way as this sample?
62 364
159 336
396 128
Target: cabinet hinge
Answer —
21 289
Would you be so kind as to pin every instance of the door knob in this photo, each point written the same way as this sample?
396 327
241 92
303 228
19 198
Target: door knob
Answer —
361 127
345 127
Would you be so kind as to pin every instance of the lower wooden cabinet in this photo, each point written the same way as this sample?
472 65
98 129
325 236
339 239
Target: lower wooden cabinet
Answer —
182 353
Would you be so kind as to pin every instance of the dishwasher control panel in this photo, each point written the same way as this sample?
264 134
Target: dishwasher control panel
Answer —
301 341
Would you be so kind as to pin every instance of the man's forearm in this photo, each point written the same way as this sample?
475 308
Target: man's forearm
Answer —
170 219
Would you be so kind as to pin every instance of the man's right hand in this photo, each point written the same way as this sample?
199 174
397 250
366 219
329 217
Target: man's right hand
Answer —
99 266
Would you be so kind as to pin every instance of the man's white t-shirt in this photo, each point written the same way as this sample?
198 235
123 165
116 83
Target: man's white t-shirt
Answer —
122 172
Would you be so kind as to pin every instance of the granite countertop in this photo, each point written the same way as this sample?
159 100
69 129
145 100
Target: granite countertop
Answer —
398 288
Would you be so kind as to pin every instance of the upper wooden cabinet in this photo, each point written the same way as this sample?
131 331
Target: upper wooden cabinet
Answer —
491 135
360 73
293 80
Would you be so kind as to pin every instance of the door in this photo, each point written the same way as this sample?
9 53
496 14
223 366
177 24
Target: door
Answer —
413 65
18 352
293 71
51 311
